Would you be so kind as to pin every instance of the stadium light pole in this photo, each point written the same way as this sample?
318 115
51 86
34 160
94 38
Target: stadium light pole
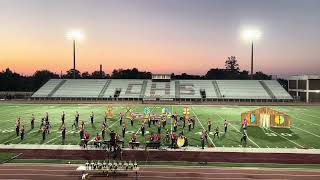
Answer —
251 35
74 35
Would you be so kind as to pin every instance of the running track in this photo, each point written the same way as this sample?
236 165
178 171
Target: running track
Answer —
48 172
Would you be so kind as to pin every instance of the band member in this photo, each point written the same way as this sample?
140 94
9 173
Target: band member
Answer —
225 124
167 139
189 124
244 125
159 127
164 122
105 117
133 137
18 126
202 138
244 138
216 132
63 133
193 122
47 117
153 119
22 132
97 140
206 135
173 140
76 120
103 130
91 117
175 125
82 124
121 118
32 121
43 133
42 124
81 133
63 115
123 129
47 125
131 121
184 122
143 129
209 124
158 137
152 137
86 138
149 121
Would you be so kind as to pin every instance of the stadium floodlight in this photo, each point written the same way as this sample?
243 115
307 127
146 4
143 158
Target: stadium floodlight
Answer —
251 35
74 35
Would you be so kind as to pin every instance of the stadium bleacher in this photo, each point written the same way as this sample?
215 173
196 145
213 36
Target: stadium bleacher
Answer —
80 88
242 89
174 89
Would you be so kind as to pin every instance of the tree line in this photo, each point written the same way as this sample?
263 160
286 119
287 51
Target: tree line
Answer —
11 81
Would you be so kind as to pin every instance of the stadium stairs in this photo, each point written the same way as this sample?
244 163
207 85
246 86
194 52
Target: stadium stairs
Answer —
216 88
104 89
144 87
263 84
57 87
177 93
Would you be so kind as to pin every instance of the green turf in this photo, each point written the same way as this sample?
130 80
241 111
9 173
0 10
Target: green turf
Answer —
304 131
5 156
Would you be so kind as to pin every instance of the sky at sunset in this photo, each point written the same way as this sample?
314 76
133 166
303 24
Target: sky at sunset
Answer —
161 36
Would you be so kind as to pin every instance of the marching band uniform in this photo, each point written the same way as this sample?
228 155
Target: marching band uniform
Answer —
103 131
62 118
175 126
142 128
190 123
22 132
123 129
32 121
18 126
225 126
209 125
91 117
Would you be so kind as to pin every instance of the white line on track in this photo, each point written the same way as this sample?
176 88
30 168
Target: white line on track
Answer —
202 125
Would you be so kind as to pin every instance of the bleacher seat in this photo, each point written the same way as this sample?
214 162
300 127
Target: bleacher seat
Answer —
130 88
180 89
242 89
191 88
46 89
80 88
278 91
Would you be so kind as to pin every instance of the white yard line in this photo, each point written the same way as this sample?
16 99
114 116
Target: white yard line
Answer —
58 137
287 139
295 117
202 125
239 131
305 131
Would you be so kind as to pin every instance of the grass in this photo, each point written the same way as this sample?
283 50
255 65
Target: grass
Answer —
4 156
304 131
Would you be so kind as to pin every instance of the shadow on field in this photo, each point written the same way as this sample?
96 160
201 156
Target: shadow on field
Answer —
272 134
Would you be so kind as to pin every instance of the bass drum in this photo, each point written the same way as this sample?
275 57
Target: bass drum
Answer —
181 141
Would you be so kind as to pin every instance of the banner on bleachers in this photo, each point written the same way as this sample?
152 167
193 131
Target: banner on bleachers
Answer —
266 117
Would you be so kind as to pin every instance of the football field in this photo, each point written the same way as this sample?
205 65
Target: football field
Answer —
304 131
